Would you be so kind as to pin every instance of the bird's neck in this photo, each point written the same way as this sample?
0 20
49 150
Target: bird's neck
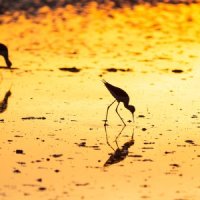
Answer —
126 105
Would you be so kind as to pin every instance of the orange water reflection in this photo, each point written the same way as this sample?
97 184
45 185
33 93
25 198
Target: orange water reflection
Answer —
53 144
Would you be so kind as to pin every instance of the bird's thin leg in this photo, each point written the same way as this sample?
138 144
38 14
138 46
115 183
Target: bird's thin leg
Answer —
119 114
116 139
133 117
108 140
132 137
107 112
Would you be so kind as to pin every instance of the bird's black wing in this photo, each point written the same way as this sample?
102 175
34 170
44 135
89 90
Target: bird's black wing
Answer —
115 91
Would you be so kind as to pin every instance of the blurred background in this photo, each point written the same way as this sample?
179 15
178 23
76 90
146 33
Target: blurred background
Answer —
33 6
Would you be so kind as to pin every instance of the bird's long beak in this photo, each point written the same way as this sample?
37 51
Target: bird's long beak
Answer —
133 116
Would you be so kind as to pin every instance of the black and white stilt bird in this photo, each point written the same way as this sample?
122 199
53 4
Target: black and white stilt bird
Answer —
4 53
120 96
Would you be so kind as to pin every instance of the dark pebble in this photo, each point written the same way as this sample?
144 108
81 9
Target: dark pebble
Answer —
111 70
135 156
57 155
17 171
141 116
177 70
19 151
175 165
70 69
82 144
42 188
190 142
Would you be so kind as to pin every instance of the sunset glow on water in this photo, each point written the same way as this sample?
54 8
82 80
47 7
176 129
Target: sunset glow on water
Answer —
53 141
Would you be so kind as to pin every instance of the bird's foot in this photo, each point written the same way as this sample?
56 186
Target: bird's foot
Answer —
105 124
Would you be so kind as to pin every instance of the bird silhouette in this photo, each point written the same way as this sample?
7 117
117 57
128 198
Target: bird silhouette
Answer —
4 53
119 153
120 96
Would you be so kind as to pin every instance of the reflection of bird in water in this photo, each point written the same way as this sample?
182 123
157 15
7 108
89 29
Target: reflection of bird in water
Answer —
120 153
4 53
120 96
4 102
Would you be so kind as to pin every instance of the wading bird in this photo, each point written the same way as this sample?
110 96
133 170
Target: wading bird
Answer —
4 53
120 96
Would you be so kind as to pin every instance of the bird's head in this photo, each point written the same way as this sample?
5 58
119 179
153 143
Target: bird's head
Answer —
132 110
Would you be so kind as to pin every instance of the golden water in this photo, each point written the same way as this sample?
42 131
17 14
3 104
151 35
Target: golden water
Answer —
64 144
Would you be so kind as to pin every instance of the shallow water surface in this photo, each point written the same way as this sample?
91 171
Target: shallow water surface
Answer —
53 141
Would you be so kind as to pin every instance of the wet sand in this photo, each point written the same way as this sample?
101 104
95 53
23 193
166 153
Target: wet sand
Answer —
53 143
